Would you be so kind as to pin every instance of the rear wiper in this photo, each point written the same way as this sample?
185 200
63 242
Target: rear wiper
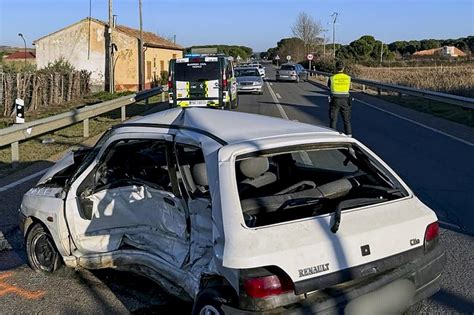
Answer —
389 191
292 203
350 203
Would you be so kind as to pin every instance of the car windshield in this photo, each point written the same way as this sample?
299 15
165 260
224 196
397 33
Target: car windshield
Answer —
287 67
246 73
196 71
305 181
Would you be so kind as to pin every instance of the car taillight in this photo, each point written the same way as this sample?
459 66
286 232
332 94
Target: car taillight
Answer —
431 235
170 83
224 83
267 286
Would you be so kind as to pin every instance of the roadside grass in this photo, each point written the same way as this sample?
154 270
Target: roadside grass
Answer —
457 80
450 112
34 150
43 112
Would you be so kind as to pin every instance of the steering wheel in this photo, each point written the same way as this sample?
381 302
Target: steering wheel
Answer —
303 185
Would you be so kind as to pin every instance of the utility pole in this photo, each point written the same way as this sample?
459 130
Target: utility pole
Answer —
381 52
141 56
24 41
110 50
334 15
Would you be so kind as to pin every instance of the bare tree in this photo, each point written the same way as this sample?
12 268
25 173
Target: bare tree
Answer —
308 30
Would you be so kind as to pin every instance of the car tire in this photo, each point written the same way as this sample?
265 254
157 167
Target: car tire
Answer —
41 251
210 300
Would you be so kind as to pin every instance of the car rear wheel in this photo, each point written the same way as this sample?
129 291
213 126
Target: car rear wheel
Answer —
209 301
41 251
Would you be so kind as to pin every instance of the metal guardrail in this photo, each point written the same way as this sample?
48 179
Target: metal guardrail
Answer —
465 102
20 132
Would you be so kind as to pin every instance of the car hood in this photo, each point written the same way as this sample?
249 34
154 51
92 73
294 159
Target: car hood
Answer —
249 79
61 165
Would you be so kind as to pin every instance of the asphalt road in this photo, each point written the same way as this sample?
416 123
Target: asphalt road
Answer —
432 156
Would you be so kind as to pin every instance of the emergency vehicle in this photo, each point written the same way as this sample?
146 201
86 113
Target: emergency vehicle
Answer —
202 80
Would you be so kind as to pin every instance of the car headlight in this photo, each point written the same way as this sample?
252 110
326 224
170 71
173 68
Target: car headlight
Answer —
257 83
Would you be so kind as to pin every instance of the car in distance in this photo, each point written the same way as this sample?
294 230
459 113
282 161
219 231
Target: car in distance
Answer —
238 213
291 72
249 80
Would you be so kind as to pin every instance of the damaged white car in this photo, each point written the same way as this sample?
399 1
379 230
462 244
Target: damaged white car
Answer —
238 213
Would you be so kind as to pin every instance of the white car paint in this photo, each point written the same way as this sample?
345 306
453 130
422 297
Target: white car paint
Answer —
219 243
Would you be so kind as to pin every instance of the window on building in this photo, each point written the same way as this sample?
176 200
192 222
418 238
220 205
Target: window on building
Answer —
162 65
148 70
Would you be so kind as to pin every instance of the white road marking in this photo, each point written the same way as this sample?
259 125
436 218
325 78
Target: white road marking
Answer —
271 83
277 103
21 181
278 95
418 124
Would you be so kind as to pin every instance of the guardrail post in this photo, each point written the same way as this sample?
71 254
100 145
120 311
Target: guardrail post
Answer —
15 154
363 88
379 91
86 128
123 111
163 97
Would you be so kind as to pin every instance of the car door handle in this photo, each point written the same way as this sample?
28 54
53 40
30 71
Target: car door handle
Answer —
169 201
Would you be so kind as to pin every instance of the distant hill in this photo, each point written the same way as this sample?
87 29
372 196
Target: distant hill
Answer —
9 49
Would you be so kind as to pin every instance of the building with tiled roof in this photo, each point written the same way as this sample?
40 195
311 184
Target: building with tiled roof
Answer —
446 51
20 55
84 46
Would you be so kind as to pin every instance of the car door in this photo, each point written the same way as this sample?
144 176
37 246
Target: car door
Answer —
128 197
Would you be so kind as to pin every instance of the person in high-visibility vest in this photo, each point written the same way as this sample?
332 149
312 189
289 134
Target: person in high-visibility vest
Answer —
339 84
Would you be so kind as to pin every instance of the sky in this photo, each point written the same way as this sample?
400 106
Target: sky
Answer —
259 24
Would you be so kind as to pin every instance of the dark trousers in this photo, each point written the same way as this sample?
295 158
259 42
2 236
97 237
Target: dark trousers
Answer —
342 104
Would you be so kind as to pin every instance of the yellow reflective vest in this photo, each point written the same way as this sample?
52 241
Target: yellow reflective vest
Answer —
340 84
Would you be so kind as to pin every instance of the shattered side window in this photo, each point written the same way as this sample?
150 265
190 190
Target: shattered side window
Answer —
135 162
292 183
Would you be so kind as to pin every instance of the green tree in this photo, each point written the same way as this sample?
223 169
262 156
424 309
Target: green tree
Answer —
429 44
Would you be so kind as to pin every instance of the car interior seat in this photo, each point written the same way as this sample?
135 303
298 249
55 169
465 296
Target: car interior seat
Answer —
256 171
200 178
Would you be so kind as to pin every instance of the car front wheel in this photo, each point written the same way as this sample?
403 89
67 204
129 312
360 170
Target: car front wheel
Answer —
41 251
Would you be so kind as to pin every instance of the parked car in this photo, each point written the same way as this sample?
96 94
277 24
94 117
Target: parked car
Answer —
291 72
238 213
249 80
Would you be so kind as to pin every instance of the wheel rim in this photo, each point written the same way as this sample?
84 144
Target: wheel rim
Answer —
209 310
44 254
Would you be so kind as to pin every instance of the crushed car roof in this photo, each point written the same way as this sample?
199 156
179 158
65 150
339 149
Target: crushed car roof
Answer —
231 126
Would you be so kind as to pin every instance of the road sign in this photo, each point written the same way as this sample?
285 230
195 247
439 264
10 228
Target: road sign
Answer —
310 57
277 57
288 57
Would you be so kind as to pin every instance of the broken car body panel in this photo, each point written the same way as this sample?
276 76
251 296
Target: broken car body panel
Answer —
178 239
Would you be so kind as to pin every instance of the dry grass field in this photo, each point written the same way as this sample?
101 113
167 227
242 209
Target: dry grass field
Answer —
457 80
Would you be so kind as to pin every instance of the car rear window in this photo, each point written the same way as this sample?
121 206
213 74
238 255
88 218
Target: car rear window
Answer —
287 67
246 73
197 71
306 181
